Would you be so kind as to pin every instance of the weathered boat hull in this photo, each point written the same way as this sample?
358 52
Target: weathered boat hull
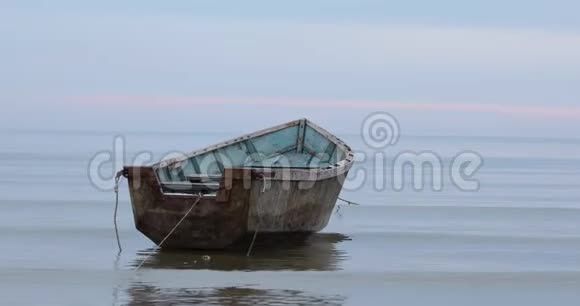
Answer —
216 222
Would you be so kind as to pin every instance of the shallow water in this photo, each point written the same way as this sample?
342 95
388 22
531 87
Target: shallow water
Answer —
515 241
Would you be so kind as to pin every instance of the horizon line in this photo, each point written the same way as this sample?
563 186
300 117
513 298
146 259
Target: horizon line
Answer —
560 112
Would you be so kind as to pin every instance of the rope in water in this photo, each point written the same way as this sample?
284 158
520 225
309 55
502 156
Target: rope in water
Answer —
118 178
199 196
348 202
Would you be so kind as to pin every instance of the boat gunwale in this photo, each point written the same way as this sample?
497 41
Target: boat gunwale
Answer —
338 142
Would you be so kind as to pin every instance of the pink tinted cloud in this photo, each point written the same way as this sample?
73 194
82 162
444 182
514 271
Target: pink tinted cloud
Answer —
571 112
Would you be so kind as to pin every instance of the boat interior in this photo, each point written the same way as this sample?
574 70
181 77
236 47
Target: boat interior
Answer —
298 144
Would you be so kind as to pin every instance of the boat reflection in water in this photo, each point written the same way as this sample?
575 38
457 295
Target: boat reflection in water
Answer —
317 252
151 295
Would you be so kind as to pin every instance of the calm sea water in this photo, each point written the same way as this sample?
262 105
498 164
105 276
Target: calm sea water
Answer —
516 241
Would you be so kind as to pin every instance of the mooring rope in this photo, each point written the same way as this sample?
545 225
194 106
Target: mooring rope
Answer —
263 179
157 247
252 243
118 178
348 202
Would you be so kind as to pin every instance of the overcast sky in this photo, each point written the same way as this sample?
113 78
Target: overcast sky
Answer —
441 67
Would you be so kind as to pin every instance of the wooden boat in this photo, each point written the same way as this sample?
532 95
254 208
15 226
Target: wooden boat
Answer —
281 180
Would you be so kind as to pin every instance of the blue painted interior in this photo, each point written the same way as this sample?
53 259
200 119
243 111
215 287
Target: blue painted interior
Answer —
279 148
